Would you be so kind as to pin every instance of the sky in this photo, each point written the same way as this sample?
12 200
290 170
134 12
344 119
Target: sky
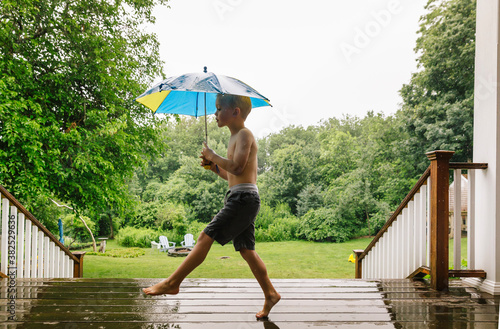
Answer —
314 60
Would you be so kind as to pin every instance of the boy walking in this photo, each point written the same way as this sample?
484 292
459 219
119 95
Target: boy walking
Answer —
236 220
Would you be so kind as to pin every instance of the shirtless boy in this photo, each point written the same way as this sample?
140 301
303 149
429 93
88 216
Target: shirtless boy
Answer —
236 220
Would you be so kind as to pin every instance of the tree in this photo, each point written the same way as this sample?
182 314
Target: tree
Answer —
338 154
325 224
437 109
86 224
69 73
289 173
182 138
200 190
291 135
287 164
311 197
353 197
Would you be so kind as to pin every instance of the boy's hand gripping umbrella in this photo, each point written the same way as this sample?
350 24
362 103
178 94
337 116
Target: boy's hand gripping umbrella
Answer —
195 93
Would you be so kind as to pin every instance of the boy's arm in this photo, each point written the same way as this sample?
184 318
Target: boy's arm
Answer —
237 164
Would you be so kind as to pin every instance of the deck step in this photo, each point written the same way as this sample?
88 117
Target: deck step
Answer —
232 303
425 270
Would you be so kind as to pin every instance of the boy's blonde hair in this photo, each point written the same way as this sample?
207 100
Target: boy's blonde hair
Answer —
242 102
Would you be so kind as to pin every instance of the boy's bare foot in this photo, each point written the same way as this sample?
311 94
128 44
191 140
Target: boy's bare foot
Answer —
268 305
162 288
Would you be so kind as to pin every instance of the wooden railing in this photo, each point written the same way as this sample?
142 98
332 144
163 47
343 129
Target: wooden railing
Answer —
414 241
28 249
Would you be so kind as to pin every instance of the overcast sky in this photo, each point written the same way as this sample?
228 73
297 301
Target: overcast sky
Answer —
314 60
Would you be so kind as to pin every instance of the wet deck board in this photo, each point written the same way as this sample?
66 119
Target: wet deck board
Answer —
231 303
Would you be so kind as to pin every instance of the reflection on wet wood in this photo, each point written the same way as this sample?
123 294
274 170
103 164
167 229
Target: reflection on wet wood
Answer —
231 304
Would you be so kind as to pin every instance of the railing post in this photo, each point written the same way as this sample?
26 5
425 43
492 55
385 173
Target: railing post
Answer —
471 222
358 266
78 272
439 212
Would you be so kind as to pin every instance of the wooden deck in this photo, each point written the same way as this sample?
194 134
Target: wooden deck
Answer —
231 304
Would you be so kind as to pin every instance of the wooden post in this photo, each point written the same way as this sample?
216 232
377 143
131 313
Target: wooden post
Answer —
78 272
439 212
358 268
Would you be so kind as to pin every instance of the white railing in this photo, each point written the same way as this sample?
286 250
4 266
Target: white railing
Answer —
402 248
28 249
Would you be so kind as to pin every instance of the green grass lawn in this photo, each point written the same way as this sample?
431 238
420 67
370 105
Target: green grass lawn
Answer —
463 251
292 259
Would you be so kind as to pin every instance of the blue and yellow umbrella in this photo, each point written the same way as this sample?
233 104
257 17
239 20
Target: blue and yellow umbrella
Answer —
195 93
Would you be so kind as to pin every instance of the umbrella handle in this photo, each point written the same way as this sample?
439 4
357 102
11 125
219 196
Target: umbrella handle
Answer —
206 129
210 166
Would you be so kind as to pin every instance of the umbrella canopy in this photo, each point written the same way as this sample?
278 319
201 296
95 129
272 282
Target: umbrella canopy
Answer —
195 93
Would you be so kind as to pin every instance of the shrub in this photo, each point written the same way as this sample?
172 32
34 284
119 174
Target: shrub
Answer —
269 215
325 224
265 216
172 217
80 245
195 228
275 224
145 215
137 237
284 229
121 253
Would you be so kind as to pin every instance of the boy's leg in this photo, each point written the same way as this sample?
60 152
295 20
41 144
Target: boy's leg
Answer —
195 258
260 272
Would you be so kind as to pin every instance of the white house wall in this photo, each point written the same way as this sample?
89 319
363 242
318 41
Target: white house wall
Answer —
487 142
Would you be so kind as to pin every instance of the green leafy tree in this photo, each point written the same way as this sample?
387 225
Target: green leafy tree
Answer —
288 162
183 138
75 228
337 154
291 135
289 174
352 195
311 197
379 155
199 190
325 224
69 73
172 217
437 110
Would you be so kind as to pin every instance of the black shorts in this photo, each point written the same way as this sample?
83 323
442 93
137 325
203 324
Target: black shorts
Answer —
236 220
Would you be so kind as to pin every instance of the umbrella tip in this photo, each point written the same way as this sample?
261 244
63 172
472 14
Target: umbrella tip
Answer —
204 69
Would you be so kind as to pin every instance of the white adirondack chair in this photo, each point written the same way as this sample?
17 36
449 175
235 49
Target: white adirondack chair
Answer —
188 241
155 246
165 245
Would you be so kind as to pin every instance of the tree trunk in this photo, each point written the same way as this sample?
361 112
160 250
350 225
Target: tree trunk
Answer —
88 229
83 221
368 223
111 234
